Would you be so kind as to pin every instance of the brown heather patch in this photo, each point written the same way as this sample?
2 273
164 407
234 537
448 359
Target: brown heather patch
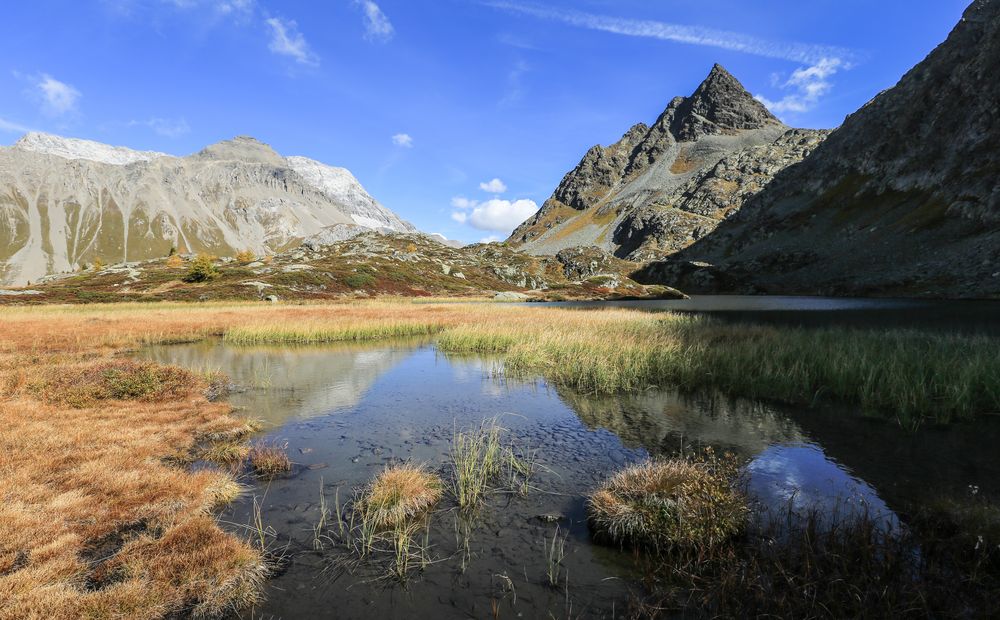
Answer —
685 162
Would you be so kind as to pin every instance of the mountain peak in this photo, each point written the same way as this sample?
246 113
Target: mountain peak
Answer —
720 105
242 148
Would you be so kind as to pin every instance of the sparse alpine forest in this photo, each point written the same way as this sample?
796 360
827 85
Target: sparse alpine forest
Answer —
729 369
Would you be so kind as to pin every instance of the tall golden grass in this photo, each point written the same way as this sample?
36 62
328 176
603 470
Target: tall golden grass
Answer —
908 375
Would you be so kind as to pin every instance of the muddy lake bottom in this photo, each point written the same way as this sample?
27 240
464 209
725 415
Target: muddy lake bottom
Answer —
347 411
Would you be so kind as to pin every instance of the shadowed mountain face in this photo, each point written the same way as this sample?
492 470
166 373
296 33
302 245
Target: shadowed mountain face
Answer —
65 203
660 188
903 199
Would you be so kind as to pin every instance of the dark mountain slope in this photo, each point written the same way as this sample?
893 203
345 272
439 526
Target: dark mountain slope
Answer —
902 199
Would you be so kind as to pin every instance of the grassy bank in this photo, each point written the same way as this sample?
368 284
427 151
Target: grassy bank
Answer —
317 332
911 376
97 519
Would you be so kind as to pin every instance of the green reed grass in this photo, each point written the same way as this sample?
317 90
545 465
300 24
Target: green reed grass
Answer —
324 513
477 457
910 375
317 333
555 553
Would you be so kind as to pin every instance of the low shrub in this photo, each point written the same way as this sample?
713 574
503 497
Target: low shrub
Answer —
245 256
202 269
359 280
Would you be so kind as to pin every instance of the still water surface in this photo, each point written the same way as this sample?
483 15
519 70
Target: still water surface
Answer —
346 411
972 316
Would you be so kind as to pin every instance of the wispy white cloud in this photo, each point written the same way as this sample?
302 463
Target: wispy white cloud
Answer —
404 140
805 53
238 8
807 86
12 127
286 40
512 40
496 186
208 12
167 127
515 85
58 98
377 25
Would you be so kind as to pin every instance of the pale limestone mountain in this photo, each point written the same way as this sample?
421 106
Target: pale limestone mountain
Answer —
74 148
340 186
66 203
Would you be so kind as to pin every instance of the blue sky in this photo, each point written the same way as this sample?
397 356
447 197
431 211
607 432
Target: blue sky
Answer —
460 115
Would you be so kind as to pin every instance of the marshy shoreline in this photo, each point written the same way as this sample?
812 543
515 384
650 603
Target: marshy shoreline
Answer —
105 514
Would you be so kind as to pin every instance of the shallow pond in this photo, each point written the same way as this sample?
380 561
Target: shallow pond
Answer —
346 411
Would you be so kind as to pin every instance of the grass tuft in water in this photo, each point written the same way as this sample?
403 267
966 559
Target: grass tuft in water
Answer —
675 502
399 494
555 553
383 524
477 457
324 513
269 460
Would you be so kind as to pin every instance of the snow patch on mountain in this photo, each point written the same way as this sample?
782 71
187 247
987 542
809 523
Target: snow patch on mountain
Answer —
340 186
74 148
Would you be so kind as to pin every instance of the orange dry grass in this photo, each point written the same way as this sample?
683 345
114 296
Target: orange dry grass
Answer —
108 327
79 483
96 517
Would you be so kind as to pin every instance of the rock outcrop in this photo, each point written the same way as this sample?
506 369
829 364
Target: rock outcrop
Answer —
902 199
695 209
67 203
662 187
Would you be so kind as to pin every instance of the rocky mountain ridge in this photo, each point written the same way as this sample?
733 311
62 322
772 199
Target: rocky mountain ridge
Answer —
661 187
902 199
74 148
66 203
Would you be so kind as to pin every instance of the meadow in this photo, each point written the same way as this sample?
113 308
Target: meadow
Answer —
102 515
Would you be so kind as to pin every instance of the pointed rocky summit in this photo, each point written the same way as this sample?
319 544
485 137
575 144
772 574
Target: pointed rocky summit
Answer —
659 188
719 105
